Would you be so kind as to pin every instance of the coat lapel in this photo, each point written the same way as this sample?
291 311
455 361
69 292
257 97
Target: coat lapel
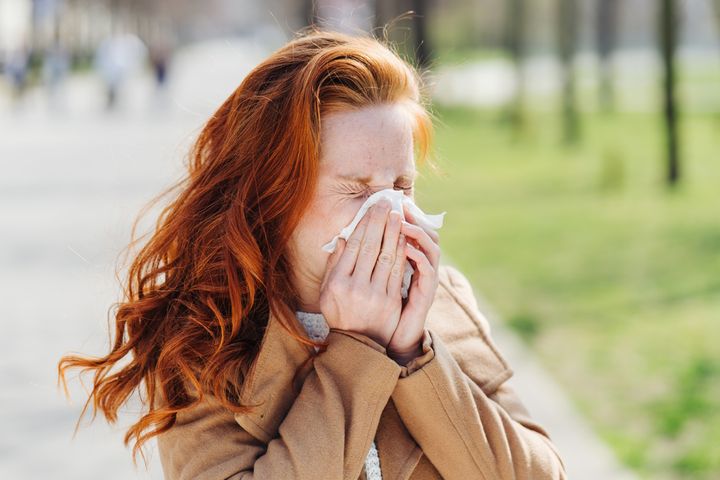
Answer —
269 383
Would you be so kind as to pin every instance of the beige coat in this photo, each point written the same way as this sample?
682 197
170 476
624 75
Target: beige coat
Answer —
448 414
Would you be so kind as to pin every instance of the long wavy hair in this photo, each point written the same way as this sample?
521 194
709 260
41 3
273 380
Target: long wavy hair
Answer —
198 293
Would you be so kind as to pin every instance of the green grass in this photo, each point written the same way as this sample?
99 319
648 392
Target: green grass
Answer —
612 278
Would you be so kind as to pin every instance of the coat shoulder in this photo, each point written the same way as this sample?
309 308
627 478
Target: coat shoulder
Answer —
456 318
458 290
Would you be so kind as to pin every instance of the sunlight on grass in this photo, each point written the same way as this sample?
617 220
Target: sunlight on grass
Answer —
611 278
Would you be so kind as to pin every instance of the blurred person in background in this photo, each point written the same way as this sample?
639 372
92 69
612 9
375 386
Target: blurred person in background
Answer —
160 51
17 70
56 66
115 59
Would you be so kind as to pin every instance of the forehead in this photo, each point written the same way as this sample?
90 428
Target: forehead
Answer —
373 143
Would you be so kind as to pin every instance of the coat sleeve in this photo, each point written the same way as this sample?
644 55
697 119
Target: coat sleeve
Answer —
465 429
326 433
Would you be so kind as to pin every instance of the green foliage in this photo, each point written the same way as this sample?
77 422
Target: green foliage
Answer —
525 324
612 170
612 278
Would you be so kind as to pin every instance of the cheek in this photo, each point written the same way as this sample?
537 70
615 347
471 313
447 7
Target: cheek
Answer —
326 218
322 223
339 209
345 213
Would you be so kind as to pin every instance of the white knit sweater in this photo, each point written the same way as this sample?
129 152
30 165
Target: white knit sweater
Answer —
317 329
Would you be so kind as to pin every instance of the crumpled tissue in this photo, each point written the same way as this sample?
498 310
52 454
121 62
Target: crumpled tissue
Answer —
397 198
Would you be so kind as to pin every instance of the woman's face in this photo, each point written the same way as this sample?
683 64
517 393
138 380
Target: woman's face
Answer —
362 151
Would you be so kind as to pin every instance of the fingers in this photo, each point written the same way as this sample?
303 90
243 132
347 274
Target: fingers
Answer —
425 241
351 248
371 241
394 283
421 261
411 219
386 259
408 214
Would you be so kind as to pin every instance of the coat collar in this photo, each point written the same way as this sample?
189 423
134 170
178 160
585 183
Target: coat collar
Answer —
269 383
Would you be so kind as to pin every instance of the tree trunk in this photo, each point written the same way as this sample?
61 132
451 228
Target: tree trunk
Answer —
668 41
607 15
567 42
515 30
379 18
310 12
419 19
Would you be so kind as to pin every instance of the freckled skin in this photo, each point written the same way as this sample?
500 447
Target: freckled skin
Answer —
374 142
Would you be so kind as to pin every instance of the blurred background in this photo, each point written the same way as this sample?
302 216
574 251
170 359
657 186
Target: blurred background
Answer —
580 141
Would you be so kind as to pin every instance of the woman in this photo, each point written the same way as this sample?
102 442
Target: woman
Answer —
237 387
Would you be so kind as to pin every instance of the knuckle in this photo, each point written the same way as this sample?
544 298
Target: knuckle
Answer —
386 258
353 244
396 270
368 247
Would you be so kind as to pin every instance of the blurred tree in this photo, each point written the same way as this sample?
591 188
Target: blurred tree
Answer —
420 38
515 32
310 12
716 4
410 42
567 43
668 32
380 15
606 29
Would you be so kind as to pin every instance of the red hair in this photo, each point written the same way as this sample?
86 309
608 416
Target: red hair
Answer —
198 293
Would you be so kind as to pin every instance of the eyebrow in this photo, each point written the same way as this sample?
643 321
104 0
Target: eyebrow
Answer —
366 179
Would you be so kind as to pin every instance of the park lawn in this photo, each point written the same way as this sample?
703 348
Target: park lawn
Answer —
612 279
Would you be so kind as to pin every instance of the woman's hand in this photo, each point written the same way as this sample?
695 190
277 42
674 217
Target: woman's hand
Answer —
362 283
422 248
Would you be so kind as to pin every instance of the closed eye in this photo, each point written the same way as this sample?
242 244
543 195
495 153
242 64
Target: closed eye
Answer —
367 193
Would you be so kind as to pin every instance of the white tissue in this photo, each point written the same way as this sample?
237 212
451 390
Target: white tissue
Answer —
397 198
